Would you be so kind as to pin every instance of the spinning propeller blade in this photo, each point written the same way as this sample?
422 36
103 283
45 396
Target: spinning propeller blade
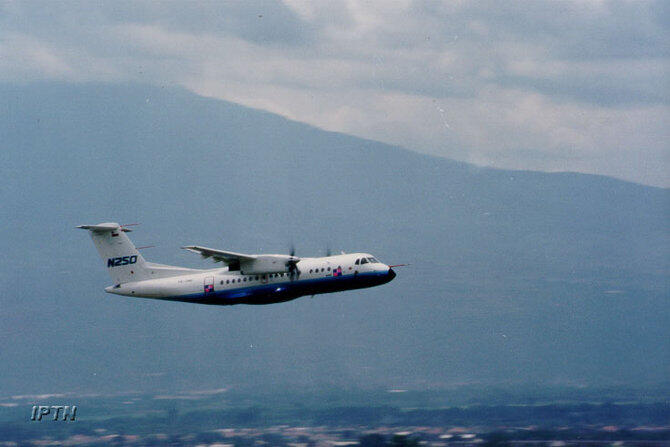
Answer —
293 270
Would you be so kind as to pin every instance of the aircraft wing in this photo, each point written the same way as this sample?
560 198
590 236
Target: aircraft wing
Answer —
227 257
248 264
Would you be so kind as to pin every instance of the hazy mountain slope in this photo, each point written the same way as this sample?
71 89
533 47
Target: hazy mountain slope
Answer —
516 276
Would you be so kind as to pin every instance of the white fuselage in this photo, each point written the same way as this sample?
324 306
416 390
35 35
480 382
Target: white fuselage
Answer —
223 286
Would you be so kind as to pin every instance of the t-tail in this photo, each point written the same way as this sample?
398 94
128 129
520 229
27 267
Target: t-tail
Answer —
124 262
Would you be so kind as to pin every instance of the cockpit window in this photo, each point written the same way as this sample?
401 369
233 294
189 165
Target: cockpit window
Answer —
364 261
373 260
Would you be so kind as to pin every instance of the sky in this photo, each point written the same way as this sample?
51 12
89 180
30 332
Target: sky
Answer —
534 85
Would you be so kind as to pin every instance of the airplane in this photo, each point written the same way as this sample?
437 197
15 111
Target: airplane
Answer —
246 279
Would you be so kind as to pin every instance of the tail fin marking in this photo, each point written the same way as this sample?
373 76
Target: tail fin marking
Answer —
124 262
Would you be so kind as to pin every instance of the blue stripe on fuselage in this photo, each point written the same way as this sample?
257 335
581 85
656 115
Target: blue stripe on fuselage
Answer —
288 290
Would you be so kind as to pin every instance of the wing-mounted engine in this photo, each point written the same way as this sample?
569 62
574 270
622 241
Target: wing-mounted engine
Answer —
267 264
249 264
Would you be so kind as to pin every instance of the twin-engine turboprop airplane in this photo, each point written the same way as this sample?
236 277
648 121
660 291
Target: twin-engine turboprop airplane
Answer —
246 279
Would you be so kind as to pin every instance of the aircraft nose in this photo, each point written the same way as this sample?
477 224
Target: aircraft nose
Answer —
391 274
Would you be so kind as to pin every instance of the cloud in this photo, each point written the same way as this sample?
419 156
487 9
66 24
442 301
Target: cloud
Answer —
578 86
22 56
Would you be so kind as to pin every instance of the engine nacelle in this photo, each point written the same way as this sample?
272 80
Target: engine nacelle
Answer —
264 264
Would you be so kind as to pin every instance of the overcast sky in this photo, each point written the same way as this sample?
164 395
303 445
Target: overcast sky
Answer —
579 86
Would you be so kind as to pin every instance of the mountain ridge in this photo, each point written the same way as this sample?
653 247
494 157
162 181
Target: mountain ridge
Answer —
516 276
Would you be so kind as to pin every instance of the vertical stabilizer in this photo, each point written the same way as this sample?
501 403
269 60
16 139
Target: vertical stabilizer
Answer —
123 261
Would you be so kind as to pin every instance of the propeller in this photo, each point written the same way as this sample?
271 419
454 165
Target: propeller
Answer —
293 270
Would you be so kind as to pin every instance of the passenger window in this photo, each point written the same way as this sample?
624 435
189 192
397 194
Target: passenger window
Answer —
358 261
364 261
328 269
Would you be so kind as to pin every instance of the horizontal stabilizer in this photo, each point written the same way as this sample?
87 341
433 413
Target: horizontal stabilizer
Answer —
108 226
103 227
